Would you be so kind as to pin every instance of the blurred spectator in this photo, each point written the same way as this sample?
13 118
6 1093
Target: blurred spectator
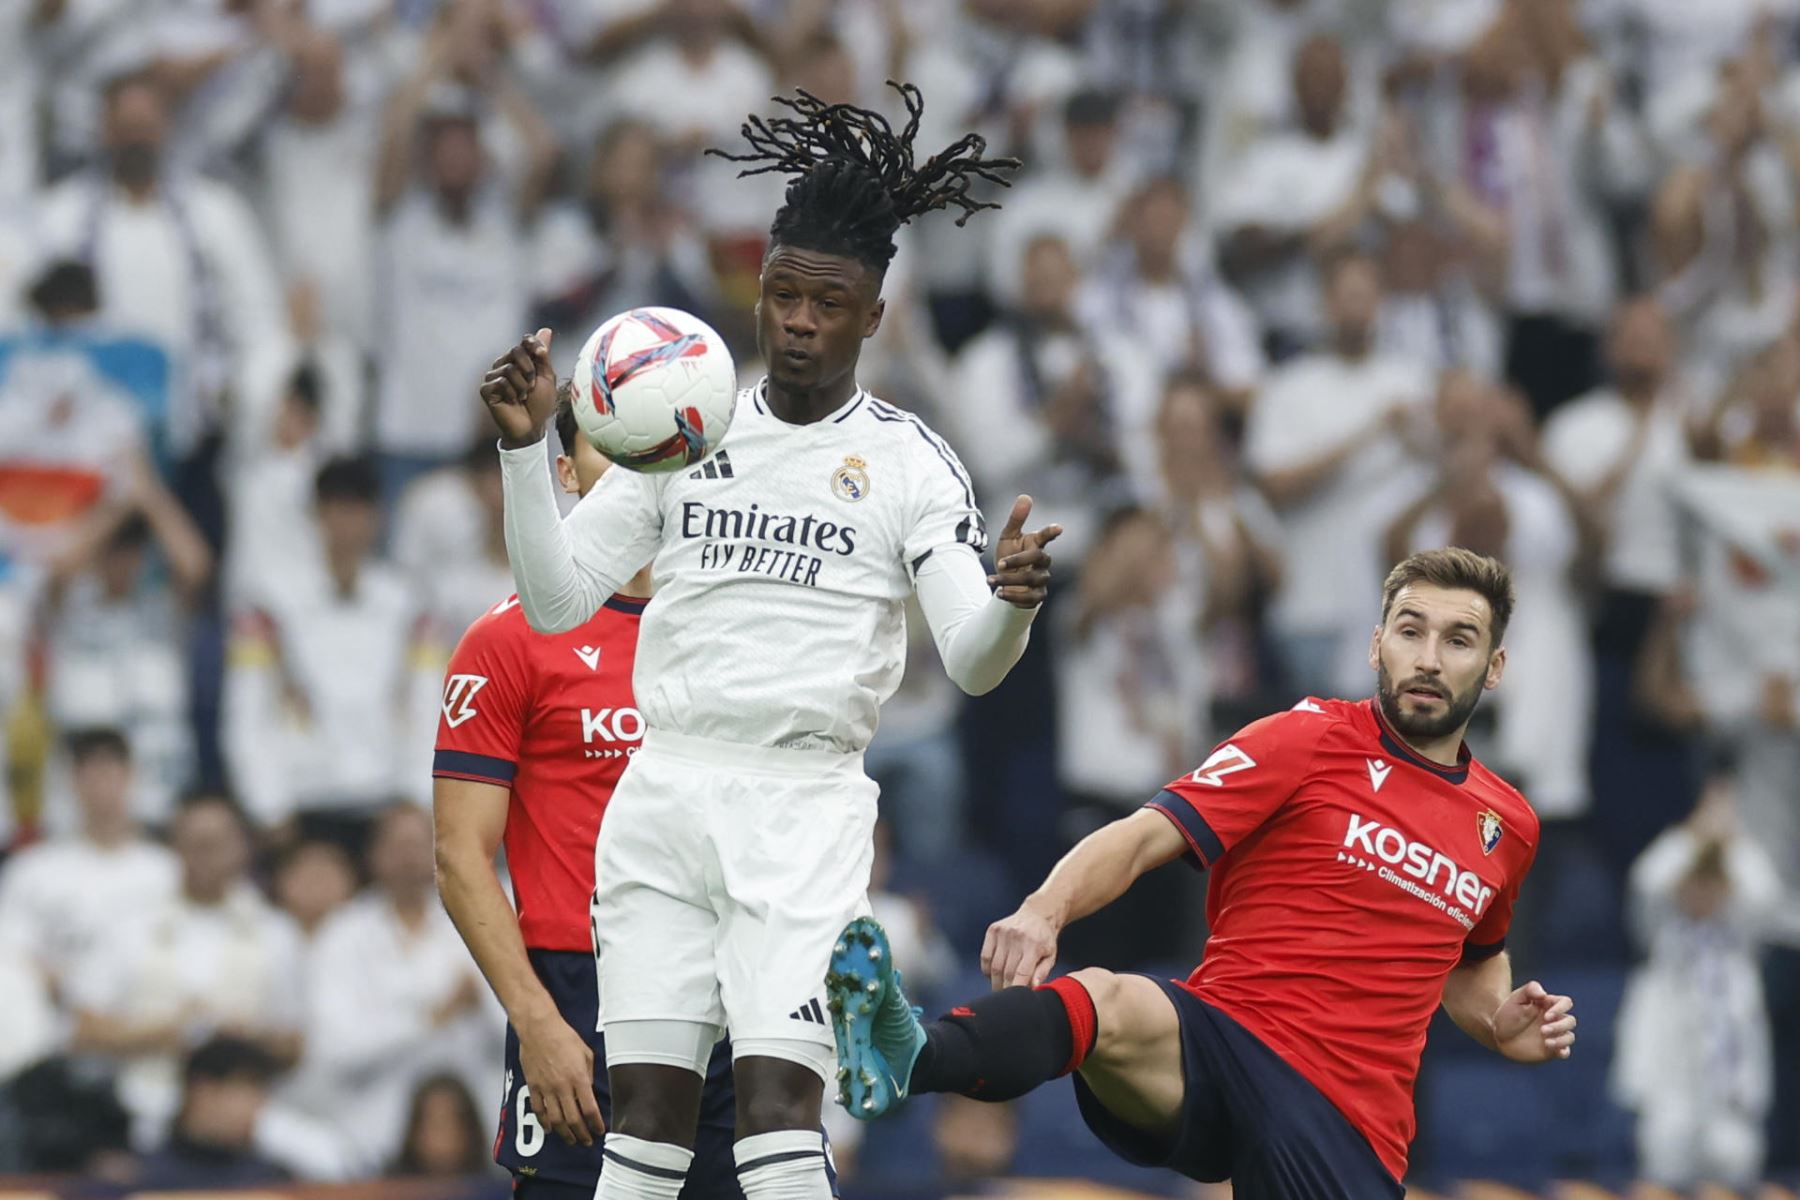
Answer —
626 240
1692 1056
1158 295
445 1137
1616 453
179 258
1044 423
692 81
69 417
448 533
1722 231
1077 200
392 997
212 1143
915 758
1484 498
975 1142
116 633
1225 535
333 685
451 252
1295 198
319 154
274 538
1434 312
1541 145
214 958
61 900
313 880
33 1029
64 1119
1132 690
1323 442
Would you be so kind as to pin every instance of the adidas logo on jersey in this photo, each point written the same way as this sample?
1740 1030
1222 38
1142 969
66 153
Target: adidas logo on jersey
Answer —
810 1012
716 467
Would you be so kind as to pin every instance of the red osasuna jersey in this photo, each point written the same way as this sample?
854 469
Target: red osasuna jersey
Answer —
1348 876
550 716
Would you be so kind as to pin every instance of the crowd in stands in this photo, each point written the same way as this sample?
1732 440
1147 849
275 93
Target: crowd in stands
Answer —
1285 290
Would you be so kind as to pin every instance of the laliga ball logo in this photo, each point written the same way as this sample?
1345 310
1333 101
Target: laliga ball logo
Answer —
654 389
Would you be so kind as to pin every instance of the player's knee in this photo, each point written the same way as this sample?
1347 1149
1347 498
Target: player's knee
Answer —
773 1096
1110 996
655 1103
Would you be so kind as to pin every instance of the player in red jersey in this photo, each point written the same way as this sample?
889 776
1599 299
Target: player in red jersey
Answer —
1363 871
535 731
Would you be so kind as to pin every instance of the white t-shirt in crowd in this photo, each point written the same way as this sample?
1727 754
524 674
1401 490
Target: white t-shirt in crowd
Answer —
1585 440
1287 183
60 900
1331 580
371 987
455 296
371 697
1081 210
319 200
208 966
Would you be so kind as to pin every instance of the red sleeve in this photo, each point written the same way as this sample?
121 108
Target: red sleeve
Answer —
1243 782
486 696
1488 938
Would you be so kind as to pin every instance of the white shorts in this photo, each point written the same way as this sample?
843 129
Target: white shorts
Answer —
725 874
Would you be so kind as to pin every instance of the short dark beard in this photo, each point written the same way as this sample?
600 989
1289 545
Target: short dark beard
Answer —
1417 725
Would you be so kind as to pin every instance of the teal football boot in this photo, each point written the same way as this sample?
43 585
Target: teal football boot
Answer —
878 1033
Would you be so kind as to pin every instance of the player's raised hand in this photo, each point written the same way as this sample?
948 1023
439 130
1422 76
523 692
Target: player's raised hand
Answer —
520 391
1534 1026
1019 950
559 1069
1021 564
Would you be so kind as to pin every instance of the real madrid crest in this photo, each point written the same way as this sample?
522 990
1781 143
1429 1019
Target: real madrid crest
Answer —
851 481
1487 824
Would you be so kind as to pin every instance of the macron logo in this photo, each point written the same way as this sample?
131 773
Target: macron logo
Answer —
589 655
1378 773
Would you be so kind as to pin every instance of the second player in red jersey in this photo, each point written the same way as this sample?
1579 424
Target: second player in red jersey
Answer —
535 731
1363 870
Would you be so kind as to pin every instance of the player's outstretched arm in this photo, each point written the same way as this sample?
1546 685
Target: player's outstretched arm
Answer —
982 622
1021 949
470 820
564 570
1526 1024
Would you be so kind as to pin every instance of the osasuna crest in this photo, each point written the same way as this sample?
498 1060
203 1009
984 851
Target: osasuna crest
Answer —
1487 824
459 697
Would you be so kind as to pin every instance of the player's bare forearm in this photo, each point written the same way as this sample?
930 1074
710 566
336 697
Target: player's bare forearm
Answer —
1020 950
1104 864
1474 992
470 818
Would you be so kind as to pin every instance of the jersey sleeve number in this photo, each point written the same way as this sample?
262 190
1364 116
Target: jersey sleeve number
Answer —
1226 760
528 1135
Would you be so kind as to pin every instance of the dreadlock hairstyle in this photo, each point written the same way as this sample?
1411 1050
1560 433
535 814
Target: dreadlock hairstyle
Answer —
855 180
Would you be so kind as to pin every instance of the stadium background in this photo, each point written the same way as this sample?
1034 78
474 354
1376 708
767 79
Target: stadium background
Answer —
1287 288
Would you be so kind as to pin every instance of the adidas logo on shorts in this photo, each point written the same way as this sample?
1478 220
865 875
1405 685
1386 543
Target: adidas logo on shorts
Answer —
809 1012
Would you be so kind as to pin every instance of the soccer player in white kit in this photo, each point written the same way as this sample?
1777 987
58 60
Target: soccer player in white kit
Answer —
738 842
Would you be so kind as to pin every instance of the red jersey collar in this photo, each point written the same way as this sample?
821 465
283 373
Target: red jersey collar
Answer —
1396 745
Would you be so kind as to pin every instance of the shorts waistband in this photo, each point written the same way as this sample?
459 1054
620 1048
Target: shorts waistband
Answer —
744 756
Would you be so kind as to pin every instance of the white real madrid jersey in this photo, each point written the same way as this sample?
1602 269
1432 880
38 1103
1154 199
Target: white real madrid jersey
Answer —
781 566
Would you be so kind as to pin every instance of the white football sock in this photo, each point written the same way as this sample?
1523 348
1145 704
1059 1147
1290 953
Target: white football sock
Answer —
787 1165
640 1170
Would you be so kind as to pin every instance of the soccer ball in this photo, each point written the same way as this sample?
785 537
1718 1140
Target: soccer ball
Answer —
654 389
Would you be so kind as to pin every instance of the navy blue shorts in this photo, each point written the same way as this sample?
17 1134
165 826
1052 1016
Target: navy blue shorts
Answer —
1249 1117
545 1166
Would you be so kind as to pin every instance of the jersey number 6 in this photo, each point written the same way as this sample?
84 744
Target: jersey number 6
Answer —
528 1137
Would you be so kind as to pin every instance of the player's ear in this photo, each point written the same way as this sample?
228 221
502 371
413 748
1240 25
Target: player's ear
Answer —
1375 649
1496 667
874 321
565 474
